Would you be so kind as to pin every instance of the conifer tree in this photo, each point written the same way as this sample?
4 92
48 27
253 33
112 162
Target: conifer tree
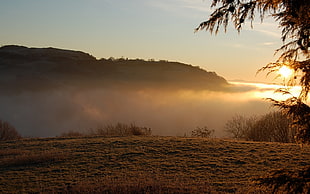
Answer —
293 17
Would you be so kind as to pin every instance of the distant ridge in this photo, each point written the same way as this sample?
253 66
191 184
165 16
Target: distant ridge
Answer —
23 68
42 53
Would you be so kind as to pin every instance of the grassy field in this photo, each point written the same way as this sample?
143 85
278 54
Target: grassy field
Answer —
161 164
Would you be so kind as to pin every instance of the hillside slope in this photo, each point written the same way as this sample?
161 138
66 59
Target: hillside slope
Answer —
83 164
25 68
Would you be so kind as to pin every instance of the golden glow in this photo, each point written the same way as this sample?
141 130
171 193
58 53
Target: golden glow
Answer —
285 71
264 90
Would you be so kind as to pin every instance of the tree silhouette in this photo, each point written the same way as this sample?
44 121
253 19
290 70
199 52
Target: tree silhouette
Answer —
8 132
293 17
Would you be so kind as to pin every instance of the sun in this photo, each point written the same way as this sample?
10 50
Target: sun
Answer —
285 71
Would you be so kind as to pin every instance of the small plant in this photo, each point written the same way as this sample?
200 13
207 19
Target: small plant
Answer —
122 130
8 132
203 132
117 130
72 134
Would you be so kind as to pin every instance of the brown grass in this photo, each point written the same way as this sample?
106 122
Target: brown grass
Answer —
9 152
141 183
143 164
15 158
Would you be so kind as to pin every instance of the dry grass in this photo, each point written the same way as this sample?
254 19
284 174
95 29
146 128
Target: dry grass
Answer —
138 184
9 152
15 158
144 164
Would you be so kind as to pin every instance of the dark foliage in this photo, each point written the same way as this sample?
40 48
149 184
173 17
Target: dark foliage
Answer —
287 181
293 17
300 114
294 20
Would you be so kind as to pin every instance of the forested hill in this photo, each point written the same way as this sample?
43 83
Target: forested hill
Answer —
23 68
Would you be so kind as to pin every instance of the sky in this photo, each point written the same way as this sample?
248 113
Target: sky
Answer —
145 29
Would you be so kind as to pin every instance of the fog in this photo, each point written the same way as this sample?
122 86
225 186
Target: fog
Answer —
177 112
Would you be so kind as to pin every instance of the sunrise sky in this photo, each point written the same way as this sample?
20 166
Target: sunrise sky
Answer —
147 29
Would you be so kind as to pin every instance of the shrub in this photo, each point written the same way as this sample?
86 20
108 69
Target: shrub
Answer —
72 134
117 130
202 132
239 126
8 132
271 127
121 129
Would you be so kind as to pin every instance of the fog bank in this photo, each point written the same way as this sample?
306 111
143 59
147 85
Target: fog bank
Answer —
177 112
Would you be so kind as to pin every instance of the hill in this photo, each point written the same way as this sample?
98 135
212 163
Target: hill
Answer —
112 165
25 68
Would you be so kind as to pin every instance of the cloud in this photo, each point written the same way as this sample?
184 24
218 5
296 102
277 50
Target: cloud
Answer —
268 43
269 33
268 28
238 45
186 8
197 5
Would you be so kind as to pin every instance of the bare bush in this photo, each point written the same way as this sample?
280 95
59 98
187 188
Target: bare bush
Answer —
8 132
121 129
72 134
272 127
239 126
110 130
202 132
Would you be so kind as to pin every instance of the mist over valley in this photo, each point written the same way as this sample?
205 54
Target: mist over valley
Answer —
48 91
